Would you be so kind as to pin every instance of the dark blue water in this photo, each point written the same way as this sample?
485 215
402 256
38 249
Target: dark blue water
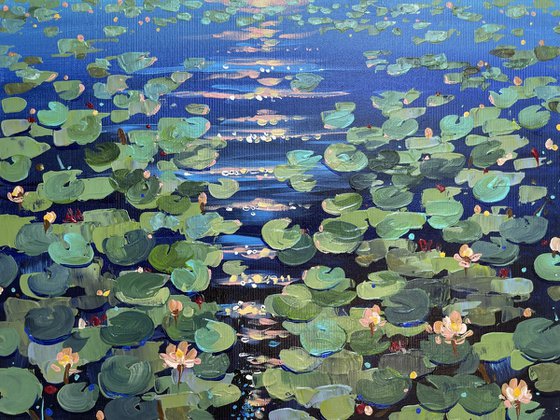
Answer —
338 58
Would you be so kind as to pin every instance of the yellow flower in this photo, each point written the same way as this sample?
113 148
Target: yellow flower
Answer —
16 196
50 217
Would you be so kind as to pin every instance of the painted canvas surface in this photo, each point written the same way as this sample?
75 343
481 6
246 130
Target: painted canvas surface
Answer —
279 209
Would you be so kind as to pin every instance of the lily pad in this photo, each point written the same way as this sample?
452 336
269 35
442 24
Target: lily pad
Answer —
215 337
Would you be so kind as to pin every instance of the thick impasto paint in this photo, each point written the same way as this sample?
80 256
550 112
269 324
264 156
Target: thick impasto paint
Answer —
279 209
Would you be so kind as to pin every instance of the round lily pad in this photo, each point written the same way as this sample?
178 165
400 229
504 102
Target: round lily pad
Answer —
19 389
72 250
276 233
54 281
9 270
547 266
215 337
386 387
212 366
492 188
195 277
303 251
132 408
130 328
9 341
391 198
49 325
524 230
123 376
78 397
141 289
129 249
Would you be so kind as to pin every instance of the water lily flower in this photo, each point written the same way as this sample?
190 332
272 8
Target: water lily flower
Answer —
66 359
452 329
48 219
371 318
180 357
202 201
16 196
466 256
516 393
555 245
549 145
175 307
527 312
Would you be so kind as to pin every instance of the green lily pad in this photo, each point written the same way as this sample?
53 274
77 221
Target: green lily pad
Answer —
225 189
141 289
407 306
322 336
303 251
72 250
20 389
545 376
538 339
391 198
212 366
386 387
9 271
366 344
195 277
547 266
215 337
344 158
9 341
77 397
123 376
277 235
128 328
131 248
49 324
492 188
295 302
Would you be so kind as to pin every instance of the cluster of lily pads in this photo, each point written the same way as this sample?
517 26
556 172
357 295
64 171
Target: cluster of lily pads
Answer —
101 309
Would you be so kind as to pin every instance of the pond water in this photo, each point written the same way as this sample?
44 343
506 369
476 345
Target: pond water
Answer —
345 208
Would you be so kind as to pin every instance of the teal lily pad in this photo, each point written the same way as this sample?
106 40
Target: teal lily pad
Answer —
78 397
195 277
386 387
19 389
128 328
72 250
215 337
547 266
123 376
145 289
9 270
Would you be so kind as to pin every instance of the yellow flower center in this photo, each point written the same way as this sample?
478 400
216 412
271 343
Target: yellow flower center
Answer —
179 354
516 392
455 326
65 360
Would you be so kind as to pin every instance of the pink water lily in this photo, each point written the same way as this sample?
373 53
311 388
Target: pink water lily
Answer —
175 307
371 318
555 246
67 360
516 393
466 256
17 194
180 357
453 330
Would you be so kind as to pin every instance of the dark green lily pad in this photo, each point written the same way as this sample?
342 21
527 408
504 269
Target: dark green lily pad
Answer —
130 328
78 397
123 376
